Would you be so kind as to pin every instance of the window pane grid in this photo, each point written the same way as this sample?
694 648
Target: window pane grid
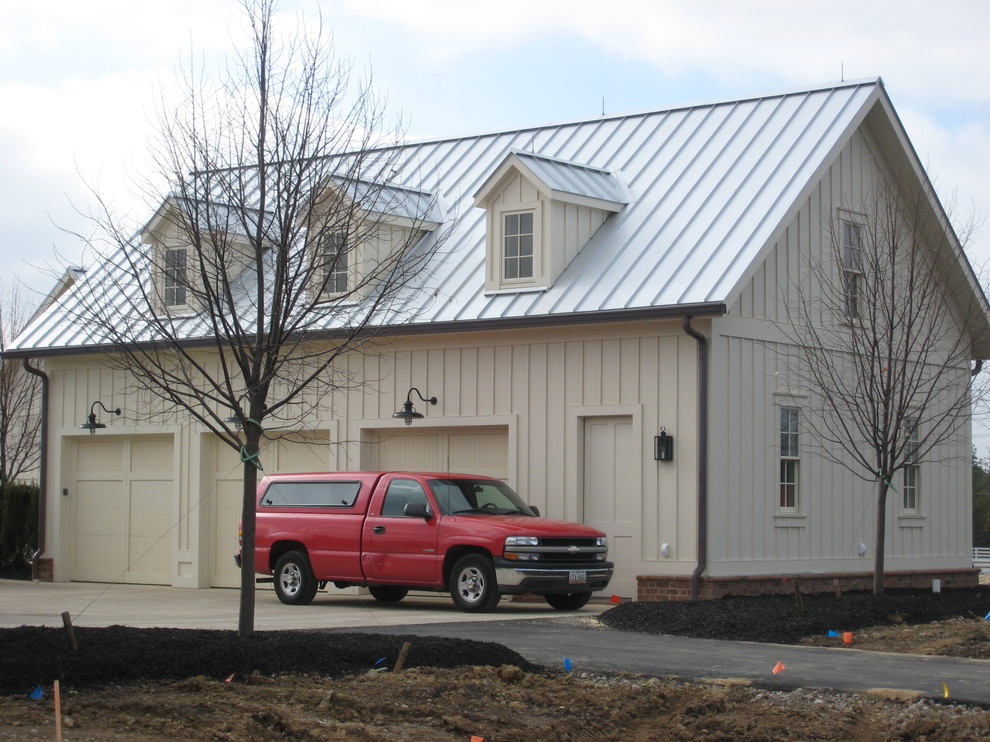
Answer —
175 277
517 245
789 458
335 263
852 267
912 472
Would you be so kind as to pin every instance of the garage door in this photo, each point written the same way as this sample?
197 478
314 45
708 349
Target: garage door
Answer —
122 496
305 451
482 450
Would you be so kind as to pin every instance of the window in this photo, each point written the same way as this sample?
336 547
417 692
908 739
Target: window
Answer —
909 491
311 494
517 244
789 459
402 492
852 268
175 282
334 258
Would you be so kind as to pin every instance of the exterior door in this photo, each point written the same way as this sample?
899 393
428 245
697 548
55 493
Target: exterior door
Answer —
612 494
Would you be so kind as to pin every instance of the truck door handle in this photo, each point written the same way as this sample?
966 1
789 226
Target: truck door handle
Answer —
378 529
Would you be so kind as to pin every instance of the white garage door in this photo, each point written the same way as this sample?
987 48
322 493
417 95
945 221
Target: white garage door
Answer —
122 499
482 450
304 451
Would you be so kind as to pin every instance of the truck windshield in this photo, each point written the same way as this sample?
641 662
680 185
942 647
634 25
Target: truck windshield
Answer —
477 497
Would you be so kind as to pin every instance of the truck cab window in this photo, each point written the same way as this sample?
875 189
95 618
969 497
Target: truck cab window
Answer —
400 493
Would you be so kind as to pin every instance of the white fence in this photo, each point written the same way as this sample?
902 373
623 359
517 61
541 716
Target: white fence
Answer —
981 558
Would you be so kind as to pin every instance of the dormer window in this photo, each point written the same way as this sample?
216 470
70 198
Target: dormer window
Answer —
175 279
334 259
517 245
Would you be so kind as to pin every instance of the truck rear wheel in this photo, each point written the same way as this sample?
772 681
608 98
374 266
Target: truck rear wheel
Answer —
388 593
472 584
569 602
294 581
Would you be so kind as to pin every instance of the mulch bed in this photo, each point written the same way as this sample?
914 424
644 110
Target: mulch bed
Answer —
32 655
776 618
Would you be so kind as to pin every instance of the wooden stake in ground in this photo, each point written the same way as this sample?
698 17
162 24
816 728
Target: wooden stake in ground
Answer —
69 631
402 656
798 600
58 713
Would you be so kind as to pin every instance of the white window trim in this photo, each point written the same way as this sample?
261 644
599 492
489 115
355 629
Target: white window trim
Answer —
349 252
794 509
497 249
860 222
185 309
916 467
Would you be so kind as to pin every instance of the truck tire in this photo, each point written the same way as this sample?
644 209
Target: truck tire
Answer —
294 581
472 584
569 602
388 593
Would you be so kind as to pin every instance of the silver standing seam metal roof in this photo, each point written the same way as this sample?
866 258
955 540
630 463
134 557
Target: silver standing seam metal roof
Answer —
702 191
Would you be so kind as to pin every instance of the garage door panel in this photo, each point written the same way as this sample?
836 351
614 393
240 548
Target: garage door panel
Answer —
461 450
149 542
123 492
303 451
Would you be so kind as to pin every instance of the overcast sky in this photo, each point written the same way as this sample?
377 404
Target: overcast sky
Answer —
78 81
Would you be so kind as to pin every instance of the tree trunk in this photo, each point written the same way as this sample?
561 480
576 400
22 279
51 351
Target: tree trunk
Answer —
245 622
880 538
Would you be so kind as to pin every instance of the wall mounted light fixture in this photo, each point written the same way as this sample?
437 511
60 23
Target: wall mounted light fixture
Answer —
408 412
92 424
663 446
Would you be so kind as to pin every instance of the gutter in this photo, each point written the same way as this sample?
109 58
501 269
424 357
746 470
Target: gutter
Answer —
702 455
43 473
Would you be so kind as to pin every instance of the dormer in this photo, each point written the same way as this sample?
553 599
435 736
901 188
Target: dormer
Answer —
186 242
541 212
358 229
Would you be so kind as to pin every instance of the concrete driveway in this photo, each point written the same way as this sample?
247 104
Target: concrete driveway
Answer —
25 603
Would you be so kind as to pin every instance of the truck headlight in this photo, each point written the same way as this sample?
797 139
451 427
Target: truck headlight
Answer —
522 541
601 541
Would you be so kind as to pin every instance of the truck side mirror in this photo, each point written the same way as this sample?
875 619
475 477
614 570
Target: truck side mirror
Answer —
417 510
536 510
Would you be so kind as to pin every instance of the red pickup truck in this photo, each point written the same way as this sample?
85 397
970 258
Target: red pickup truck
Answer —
398 531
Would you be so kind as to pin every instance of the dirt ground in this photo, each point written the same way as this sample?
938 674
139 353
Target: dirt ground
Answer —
159 684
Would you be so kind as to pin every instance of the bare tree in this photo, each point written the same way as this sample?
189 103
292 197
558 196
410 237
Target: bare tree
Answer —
883 341
289 235
20 416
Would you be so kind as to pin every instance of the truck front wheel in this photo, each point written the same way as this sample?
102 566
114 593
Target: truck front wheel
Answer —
294 581
569 602
472 584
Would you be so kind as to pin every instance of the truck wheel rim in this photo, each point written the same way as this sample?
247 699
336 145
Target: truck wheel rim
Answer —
471 585
290 579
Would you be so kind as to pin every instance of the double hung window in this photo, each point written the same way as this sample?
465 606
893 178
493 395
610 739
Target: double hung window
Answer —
517 245
175 277
790 461
910 489
852 269
334 258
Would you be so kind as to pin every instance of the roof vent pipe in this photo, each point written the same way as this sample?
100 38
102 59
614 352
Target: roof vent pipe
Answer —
43 466
702 455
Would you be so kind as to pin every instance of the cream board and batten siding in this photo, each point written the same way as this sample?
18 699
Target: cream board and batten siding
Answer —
749 385
536 385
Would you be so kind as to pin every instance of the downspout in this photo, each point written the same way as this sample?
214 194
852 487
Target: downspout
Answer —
43 473
702 455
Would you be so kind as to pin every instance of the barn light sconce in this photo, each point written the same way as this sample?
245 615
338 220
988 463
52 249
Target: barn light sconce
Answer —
663 446
408 413
92 424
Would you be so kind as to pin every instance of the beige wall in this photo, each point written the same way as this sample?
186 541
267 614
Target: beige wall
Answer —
539 386
750 380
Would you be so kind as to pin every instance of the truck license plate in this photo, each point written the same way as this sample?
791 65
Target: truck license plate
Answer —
578 577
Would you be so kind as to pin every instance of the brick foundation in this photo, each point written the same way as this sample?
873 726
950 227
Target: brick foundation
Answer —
46 570
667 587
